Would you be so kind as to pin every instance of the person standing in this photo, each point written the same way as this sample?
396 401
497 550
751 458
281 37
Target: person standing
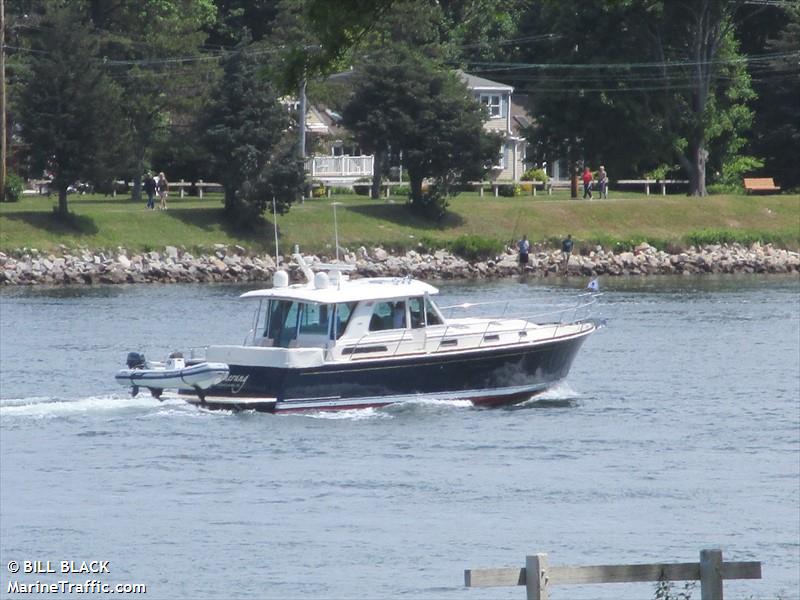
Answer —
587 183
602 182
149 185
524 247
566 250
163 189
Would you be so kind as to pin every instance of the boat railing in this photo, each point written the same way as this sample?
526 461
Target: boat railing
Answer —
581 309
580 313
565 317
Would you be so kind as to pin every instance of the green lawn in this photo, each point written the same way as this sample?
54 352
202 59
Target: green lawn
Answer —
104 222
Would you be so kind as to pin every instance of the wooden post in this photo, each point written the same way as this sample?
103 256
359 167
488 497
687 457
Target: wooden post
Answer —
536 578
711 574
200 188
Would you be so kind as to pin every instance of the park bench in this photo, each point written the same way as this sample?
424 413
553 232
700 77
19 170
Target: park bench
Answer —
760 184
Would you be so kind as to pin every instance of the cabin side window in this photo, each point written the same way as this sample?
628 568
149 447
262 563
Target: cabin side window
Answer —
416 312
431 313
388 315
341 317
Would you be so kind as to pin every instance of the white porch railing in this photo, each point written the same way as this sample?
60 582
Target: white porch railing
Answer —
340 166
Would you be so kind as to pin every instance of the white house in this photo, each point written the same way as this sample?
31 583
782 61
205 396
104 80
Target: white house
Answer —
341 163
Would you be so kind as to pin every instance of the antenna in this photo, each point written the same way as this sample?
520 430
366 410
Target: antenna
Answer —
335 229
275 229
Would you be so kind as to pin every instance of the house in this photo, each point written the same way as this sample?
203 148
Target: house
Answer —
507 118
339 162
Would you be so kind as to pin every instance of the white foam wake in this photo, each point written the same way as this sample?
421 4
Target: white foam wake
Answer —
561 391
44 407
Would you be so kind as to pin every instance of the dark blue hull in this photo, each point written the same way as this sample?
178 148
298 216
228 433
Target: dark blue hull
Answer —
487 376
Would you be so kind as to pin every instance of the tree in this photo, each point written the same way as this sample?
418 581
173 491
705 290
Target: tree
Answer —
409 102
69 106
152 49
776 81
654 81
700 33
247 128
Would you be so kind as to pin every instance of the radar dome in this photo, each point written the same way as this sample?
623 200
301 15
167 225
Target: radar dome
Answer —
280 279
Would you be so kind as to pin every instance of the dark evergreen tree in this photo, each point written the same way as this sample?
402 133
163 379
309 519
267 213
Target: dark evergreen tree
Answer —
69 107
152 48
246 134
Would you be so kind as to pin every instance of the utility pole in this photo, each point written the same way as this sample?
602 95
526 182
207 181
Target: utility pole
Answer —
3 101
301 117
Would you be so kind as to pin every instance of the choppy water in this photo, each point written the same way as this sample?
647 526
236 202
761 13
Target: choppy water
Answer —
678 429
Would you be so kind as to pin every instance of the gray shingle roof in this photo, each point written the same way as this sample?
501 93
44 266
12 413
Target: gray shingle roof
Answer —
479 83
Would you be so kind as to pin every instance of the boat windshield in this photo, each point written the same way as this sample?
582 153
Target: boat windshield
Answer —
288 323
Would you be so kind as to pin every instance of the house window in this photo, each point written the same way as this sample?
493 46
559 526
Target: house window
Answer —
492 102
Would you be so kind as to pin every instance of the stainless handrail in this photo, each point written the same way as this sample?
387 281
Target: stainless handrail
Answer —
581 311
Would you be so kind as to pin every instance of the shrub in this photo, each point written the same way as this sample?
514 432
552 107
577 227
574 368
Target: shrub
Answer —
317 189
13 187
510 190
723 188
727 236
401 190
340 190
535 175
475 247
432 205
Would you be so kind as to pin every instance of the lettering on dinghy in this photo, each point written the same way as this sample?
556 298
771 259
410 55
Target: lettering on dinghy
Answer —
234 383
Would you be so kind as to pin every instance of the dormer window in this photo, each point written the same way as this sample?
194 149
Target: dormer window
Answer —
492 102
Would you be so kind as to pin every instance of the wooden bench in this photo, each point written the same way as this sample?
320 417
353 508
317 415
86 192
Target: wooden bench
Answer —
760 184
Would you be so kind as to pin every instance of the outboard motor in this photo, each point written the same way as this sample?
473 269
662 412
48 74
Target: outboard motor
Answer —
136 360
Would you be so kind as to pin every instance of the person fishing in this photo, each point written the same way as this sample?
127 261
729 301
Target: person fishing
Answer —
524 247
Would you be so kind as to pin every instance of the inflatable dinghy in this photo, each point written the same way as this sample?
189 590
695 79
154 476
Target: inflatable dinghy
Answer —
173 374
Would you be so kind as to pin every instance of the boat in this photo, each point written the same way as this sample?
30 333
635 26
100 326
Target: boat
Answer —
334 342
174 373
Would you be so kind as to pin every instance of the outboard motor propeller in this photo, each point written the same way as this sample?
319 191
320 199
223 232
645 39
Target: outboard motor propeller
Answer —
136 360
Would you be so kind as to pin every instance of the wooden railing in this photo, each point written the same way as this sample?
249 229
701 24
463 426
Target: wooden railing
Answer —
661 183
537 576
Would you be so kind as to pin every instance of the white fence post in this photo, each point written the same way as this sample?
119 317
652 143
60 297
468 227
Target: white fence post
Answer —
536 578
200 188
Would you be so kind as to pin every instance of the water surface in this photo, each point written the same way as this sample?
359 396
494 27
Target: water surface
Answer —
678 429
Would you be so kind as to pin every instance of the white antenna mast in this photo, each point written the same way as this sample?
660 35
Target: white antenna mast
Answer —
335 230
275 229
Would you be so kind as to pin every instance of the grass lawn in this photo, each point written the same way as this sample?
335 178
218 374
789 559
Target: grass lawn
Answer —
104 222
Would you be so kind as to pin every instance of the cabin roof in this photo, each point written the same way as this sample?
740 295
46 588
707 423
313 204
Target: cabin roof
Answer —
357 290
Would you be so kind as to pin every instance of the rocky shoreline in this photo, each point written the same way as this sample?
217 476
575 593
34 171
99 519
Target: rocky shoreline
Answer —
235 264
